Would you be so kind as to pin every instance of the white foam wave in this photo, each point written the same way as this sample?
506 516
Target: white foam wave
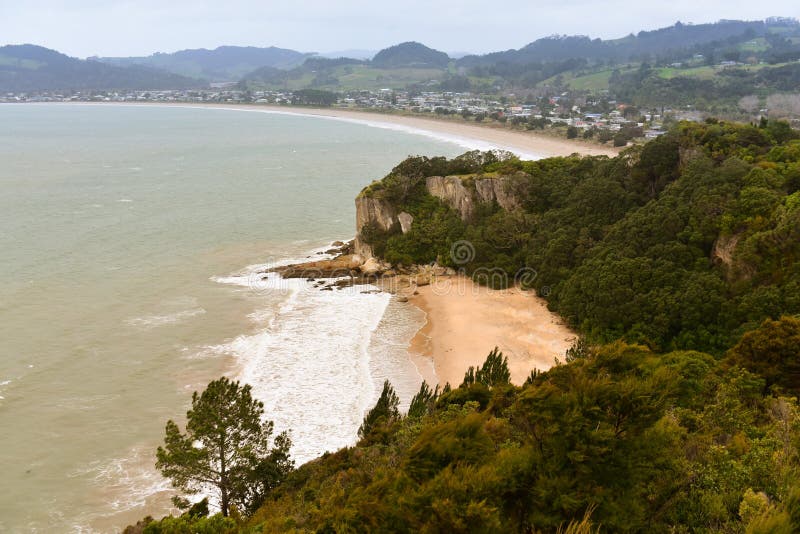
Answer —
127 483
154 321
309 363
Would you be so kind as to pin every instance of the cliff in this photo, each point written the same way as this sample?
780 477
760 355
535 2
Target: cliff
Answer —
463 193
376 211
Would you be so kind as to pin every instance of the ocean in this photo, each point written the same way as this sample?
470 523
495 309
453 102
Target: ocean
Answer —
129 236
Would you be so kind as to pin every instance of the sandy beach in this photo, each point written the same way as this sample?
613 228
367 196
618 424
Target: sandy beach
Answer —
518 141
524 143
466 321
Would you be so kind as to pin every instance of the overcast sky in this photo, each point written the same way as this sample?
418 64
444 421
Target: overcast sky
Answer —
140 27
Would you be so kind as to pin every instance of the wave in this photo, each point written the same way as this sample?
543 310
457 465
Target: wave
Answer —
309 362
315 357
154 321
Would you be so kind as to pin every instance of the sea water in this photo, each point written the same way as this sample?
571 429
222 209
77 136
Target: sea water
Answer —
129 239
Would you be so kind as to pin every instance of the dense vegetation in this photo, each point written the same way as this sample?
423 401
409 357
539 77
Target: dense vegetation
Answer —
687 250
410 54
645 87
684 243
617 438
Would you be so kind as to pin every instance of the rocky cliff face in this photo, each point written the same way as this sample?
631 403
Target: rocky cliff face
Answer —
462 196
371 210
496 190
453 191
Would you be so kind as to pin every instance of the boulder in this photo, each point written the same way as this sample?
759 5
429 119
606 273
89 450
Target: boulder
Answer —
371 267
405 220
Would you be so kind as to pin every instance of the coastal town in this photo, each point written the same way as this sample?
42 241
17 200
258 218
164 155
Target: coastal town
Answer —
580 116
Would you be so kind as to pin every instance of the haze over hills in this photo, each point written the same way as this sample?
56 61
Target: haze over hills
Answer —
674 38
581 62
223 64
35 68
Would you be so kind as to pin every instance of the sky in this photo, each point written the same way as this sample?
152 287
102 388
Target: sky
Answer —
84 28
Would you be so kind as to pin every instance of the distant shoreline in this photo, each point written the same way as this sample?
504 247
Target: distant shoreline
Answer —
525 144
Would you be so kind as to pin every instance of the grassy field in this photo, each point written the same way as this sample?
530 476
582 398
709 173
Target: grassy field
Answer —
709 72
756 45
356 77
593 81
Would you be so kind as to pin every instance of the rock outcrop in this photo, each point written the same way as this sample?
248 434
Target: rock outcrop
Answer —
496 190
406 220
458 195
371 210
451 190
463 194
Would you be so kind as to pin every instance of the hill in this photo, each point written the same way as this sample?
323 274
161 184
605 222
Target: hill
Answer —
659 42
586 64
627 247
679 262
223 64
347 74
410 54
35 68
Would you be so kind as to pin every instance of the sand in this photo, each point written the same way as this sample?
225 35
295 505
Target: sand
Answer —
466 321
515 140
489 135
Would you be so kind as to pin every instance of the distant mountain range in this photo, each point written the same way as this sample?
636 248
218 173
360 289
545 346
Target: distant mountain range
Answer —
34 68
29 67
645 43
223 64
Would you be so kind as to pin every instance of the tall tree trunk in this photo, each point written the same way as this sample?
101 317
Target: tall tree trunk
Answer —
224 503
223 486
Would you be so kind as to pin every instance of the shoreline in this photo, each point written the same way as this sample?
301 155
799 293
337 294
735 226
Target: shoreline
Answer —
518 322
527 145
465 321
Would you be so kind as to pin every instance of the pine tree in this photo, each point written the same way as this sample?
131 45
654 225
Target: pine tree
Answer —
384 412
226 446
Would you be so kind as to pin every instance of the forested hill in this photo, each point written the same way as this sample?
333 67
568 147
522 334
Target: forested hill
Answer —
34 68
222 64
644 44
683 243
677 412
410 54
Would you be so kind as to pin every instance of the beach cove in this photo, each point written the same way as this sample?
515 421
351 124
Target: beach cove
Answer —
133 286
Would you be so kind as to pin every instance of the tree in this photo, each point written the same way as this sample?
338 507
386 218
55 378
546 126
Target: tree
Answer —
772 351
384 412
226 446
494 371
572 132
423 401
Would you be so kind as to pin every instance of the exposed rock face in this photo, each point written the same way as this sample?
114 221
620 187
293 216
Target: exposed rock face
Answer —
451 190
371 210
343 265
496 189
405 220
